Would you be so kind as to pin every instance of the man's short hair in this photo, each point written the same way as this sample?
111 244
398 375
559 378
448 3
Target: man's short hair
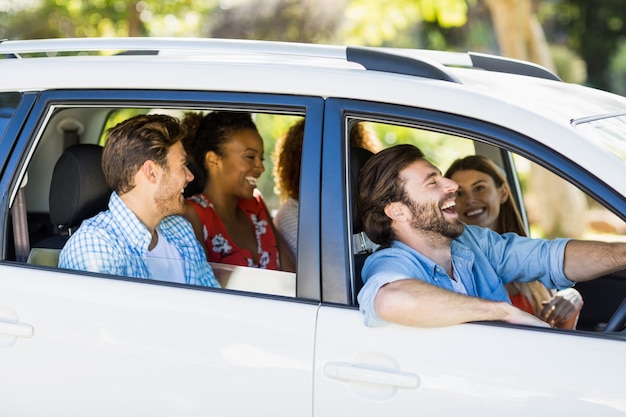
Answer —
379 185
135 141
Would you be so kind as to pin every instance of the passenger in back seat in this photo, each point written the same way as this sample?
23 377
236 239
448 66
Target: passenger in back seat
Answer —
484 199
226 210
142 234
287 163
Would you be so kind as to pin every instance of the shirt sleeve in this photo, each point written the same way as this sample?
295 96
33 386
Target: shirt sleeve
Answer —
381 268
91 250
524 259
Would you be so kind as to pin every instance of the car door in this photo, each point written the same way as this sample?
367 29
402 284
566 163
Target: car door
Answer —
75 343
470 369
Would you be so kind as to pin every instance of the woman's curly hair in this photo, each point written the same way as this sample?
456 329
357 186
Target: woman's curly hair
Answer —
287 162
288 151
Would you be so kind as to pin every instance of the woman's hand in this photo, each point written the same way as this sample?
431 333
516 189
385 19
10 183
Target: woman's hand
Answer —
562 311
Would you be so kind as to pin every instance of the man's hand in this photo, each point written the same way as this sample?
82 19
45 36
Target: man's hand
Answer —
516 316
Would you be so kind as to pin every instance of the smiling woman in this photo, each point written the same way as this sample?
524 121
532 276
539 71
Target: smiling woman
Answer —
484 199
228 214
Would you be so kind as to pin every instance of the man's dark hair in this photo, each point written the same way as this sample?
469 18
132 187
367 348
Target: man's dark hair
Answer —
133 142
379 185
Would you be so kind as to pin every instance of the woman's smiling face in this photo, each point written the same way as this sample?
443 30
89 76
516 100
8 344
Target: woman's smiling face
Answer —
478 198
241 163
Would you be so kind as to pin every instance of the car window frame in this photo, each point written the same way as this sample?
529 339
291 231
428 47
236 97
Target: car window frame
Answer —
32 124
337 253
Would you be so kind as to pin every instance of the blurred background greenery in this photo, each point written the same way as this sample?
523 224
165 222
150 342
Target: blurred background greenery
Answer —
583 41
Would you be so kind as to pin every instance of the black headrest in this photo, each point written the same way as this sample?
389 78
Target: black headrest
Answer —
78 189
358 158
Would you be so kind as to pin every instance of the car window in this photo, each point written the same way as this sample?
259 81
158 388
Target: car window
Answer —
550 207
89 125
439 147
556 208
8 104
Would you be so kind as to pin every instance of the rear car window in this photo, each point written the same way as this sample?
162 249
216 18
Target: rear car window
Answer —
8 104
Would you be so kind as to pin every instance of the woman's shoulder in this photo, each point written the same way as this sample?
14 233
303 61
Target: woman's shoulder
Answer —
253 204
288 207
200 200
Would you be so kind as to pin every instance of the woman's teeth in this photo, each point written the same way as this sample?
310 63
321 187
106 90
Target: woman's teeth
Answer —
475 212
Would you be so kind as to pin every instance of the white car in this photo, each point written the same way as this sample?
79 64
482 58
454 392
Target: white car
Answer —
276 343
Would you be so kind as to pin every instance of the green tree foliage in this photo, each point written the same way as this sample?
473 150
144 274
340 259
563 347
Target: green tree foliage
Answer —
312 21
398 23
594 29
101 18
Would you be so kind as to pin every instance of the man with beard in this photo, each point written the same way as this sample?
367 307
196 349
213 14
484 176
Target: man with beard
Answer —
142 234
432 270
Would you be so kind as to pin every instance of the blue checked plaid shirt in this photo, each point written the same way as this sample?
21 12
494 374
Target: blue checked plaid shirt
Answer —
116 242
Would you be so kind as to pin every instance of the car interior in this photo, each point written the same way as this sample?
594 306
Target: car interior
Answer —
63 184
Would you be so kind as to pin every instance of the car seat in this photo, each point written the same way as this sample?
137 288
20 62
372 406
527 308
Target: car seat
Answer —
78 191
358 158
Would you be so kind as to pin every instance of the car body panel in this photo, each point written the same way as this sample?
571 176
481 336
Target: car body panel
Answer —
487 367
108 345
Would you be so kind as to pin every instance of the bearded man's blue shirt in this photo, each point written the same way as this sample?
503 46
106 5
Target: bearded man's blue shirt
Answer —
484 260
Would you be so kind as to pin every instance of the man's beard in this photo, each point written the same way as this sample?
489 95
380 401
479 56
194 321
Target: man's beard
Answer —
167 199
427 217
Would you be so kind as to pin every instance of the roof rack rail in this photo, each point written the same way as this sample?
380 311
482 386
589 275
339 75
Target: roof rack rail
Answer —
379 60
511 66
415 62
476 60
173 44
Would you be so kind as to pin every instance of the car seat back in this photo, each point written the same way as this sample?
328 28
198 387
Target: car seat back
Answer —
78 191
358 158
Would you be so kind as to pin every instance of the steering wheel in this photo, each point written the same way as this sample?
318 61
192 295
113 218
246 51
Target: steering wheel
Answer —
618 321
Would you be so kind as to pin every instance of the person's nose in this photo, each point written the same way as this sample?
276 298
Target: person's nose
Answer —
260 166
188 175
450 186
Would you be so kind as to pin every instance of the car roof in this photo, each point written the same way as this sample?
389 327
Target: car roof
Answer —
522 96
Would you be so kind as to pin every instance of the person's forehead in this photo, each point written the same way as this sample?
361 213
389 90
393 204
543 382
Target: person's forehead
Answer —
246 139
471 176
419 171
176 150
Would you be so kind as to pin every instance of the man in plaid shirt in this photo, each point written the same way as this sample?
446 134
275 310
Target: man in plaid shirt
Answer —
142 234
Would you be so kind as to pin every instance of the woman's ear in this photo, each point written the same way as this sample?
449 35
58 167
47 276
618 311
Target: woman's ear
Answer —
211 159
504 193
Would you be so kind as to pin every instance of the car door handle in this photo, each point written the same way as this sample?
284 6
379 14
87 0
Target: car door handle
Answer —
16 329
362 373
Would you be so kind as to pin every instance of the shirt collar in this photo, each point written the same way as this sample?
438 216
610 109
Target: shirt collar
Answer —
458 252
426 262
131 227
